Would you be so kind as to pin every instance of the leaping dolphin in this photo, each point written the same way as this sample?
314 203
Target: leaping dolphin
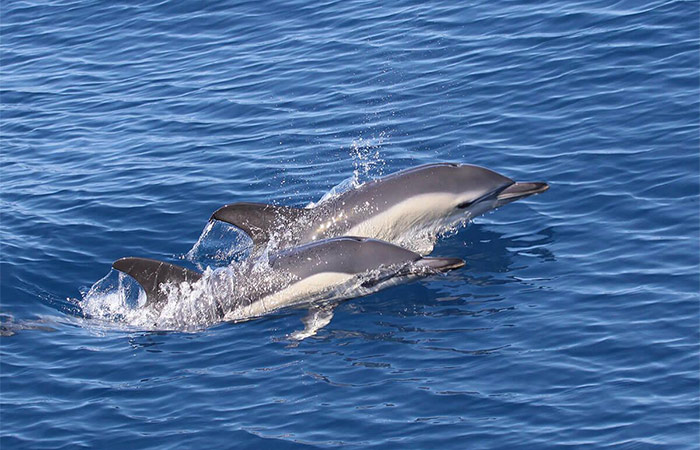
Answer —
425 197
294 276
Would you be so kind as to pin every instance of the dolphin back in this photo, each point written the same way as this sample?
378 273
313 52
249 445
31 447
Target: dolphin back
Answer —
354 255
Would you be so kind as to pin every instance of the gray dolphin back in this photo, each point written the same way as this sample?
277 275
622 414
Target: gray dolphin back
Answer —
429 178
353 255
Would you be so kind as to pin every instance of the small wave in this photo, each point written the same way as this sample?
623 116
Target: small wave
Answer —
346 185
219 244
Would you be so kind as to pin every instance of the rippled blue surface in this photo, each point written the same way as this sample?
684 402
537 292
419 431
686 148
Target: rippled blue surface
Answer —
575 322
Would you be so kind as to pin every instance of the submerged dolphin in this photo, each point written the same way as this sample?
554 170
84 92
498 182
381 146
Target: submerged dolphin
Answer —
425 197
293 277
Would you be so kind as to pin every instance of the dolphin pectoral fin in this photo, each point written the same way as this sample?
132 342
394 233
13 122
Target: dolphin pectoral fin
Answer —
151 274
439 264
318 317
519 190
257 220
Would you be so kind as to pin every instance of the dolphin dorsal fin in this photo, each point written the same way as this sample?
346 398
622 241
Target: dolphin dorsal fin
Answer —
151 274
258 220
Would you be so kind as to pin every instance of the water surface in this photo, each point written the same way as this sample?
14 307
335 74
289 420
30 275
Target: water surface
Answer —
574 323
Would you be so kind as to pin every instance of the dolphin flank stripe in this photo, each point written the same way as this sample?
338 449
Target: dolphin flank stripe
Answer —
294 293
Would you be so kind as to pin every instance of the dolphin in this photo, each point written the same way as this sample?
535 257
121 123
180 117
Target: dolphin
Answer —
329 269
427 197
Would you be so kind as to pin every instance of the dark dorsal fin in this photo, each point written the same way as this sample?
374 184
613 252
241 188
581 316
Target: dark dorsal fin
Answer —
151 274
257 219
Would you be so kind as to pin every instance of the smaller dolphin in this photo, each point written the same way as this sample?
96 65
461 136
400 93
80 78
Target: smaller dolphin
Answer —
429 197
343 266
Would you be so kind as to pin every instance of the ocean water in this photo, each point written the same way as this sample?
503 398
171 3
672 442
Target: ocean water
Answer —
575 322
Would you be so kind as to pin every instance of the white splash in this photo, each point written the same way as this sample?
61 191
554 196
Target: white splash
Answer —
367 162
186 307
366 156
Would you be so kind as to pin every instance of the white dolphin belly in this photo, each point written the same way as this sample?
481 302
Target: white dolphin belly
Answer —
294 293
413 213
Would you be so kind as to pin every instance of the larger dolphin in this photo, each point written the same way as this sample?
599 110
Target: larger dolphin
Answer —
425 197
294 276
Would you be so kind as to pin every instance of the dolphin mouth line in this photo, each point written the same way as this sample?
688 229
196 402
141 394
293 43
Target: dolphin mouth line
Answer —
437 264
467 204
521 190
510 193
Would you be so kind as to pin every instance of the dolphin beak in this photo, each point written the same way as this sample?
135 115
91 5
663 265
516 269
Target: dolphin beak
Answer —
519 190
439 264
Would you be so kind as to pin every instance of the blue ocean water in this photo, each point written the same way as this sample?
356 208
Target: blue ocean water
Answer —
575 322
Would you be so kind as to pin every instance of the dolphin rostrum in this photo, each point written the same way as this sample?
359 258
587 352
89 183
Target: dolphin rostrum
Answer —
425 197
292 277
